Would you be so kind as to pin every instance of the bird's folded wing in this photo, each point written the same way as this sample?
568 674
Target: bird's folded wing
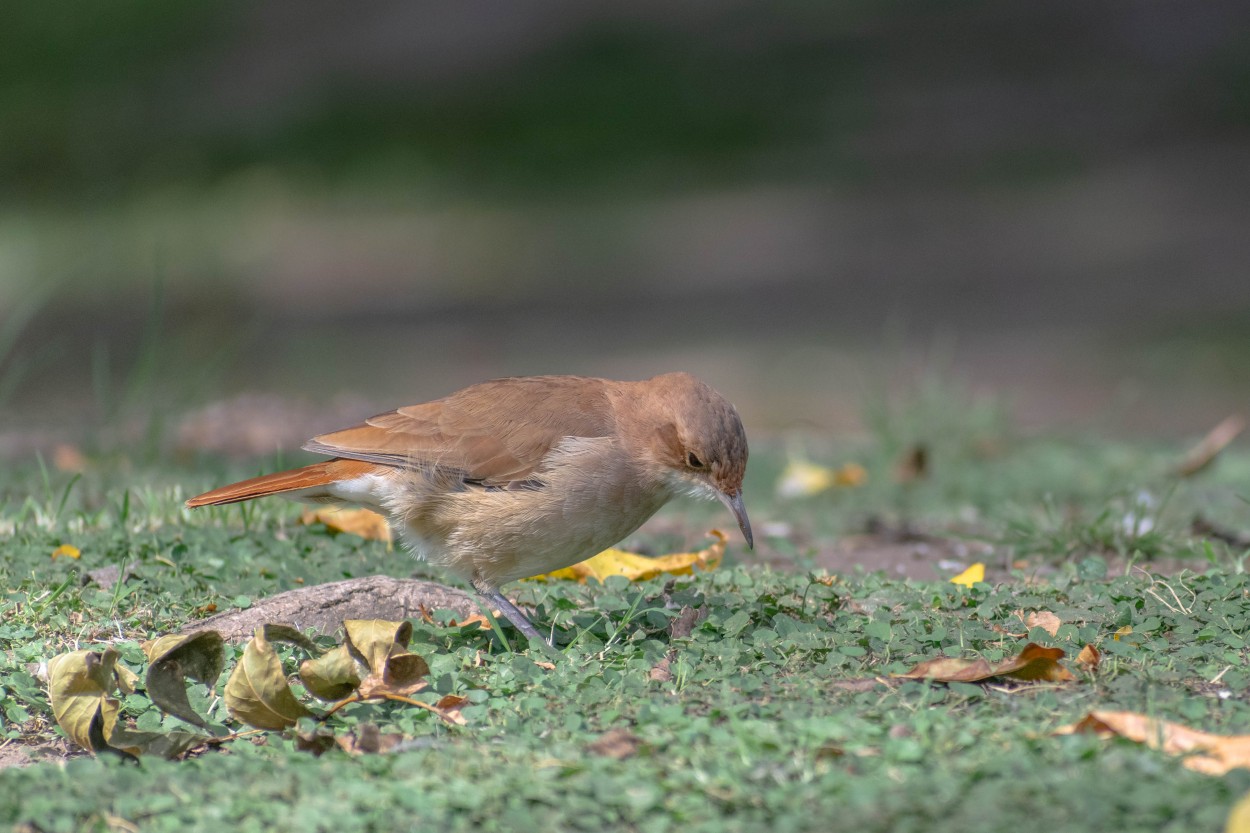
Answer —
494 433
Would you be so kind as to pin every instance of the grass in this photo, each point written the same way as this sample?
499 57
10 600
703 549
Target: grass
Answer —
753 730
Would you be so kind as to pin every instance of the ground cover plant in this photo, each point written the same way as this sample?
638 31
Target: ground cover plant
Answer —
760 694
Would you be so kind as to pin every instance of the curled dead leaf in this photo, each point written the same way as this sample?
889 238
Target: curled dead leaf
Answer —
80 685
1089 656
360 522
1204 752
257 692
176 658
1033 663
382 647
331 676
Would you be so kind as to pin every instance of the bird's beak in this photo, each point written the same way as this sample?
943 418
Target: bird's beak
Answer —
739 509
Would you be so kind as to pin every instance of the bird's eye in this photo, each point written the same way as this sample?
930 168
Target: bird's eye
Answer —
693 460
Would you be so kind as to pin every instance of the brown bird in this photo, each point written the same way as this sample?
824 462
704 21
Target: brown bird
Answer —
517 477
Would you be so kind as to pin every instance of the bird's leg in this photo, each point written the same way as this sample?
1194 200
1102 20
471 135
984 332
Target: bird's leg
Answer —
509 610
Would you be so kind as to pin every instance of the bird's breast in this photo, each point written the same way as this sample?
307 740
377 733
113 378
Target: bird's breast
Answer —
585 498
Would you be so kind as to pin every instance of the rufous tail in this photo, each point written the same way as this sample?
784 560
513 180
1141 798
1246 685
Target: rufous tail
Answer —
306 477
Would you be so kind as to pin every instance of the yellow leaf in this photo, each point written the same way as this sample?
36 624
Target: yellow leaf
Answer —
971 575
1239 818
67 551
803 479
361 522
1124 631
640 567
1204 752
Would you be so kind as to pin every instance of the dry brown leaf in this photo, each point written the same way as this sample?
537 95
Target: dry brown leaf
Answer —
1043 619
1210 446
473 619
368 739
359 522
451 702
1089 656
684 622
1206 753
1034 663
635 567
616 744
660 672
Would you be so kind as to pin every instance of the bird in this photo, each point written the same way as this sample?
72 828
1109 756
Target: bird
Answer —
519 476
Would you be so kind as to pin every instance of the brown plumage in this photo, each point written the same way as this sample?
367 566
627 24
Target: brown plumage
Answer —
516 477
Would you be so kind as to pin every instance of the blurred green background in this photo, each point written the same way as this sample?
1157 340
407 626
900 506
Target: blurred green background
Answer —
281 215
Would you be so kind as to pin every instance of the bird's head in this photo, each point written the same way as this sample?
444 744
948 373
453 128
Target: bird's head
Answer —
700 443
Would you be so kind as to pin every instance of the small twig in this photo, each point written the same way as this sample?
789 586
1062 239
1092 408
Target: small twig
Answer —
1220 675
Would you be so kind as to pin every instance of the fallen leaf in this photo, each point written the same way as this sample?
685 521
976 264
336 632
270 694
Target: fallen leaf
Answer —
257 692
382 647
66 551
79 685
1210 446
331 676
660 672
472 619
368 739
684 622
616 744
635 567
1124 631
803 479
1032 664
970 576
176 658
451 702
1204 752
1239 817
361 522
1043 619
1089 657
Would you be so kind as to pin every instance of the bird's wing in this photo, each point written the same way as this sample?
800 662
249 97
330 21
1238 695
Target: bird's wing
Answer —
495 433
